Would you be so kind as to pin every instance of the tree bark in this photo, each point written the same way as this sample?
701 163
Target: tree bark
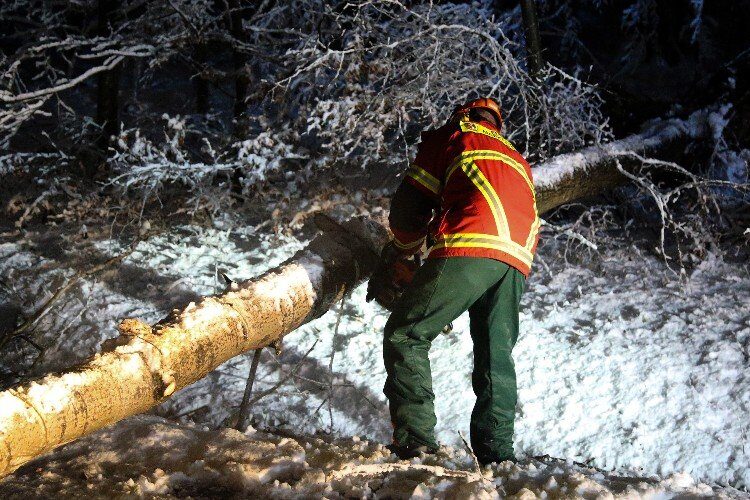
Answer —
108 82
238 58
200 84
533 40
146 364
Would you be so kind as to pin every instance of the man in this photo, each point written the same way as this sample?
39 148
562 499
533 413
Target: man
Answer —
471 194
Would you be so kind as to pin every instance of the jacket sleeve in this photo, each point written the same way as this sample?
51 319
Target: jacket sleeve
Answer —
419 194
425 173
411 212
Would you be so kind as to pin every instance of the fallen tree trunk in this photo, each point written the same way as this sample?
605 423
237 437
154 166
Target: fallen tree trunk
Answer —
146 364
593 170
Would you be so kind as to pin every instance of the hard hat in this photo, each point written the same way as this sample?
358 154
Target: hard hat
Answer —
485 103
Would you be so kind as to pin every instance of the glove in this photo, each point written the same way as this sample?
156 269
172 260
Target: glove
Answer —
392 275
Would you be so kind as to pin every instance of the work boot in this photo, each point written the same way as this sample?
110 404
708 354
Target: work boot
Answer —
409 452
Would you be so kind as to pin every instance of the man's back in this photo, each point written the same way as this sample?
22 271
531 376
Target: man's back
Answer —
487 205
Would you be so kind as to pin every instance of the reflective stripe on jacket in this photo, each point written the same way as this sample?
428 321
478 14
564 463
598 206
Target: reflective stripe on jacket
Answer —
485 194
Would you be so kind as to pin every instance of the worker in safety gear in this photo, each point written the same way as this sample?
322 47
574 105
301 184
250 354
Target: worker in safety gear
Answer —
469 198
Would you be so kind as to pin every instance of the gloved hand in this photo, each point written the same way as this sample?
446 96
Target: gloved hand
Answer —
393 274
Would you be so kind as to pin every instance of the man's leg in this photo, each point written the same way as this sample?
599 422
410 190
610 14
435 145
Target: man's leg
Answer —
494 330
442 290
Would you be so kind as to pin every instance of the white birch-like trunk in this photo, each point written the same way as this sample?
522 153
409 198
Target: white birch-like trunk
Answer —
145 365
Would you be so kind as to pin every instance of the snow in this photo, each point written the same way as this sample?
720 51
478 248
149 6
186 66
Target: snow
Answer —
635 373
618 365
718 121
737 165
150 457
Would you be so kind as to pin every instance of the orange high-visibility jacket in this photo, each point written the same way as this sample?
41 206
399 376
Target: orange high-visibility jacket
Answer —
483 193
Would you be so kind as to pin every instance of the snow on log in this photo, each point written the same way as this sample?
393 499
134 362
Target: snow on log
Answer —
146 364
592 170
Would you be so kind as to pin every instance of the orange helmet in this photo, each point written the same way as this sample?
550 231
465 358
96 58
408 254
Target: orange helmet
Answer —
484 103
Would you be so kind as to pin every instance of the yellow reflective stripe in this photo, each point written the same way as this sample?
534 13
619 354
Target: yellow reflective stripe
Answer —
467 126
475 240
423 177
408 246
480 181
488 154
498 240
475 154
472 171
490 246
533 232
515 165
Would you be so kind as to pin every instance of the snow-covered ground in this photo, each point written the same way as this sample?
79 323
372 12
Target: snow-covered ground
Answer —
618 367
155 458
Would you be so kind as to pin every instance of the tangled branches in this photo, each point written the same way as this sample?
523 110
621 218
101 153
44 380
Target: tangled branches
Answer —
378 72
683 217
329 84
689 230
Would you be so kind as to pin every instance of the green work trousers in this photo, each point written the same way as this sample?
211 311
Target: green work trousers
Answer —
442 290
